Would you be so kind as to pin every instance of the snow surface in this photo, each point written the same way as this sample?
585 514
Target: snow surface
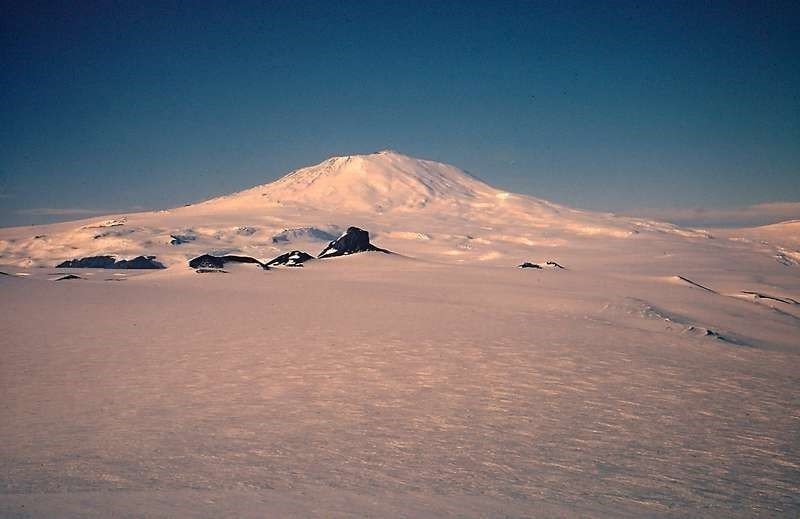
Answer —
655 376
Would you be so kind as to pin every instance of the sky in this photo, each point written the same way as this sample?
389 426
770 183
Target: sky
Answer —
676 109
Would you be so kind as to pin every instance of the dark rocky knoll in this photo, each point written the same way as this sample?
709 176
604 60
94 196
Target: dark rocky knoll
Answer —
352 241
109 262
207 261
294 258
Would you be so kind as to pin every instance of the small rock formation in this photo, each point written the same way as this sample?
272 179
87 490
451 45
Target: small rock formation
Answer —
116 233
207 261
211 271
91 262
294 258
246 231
139 262
68 276
179 239
352 241
547 264
108 262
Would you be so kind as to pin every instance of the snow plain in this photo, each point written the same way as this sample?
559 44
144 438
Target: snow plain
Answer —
655 376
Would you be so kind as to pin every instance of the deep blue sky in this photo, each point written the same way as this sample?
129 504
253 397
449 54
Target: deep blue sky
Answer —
614 106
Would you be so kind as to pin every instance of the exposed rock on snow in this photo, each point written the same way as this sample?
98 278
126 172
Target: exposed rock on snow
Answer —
547 264
116 233
179 239
246 231
92 262
109 262
68 276
139 262
211 271
352 241
294 258
207 261
687 281
675 322
788 258
757 295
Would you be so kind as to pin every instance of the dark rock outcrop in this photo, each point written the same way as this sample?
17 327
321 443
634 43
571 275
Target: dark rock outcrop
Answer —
547 264
295 258
113 233
68 276
207 261
108 262
211 271
91 262
352 241
179 239
139 262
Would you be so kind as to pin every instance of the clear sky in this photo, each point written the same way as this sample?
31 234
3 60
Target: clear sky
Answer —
112 106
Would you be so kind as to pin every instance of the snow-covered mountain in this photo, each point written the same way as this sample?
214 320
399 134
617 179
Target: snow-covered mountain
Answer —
417 207
376 183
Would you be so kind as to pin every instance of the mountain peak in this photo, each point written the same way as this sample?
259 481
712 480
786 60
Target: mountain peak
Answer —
377 182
